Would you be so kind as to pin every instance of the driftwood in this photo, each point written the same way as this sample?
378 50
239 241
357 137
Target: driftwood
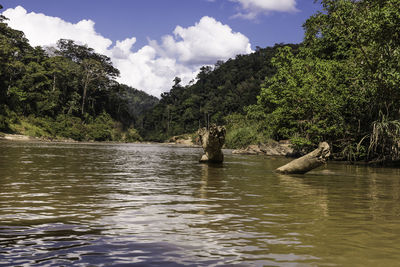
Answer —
212 140
308 162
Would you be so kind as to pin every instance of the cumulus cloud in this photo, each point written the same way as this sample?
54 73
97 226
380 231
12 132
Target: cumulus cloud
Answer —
150 68
204 42
252 8
46 31
147 71
123 48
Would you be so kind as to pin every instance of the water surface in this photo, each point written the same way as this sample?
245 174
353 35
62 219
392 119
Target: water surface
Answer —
152 205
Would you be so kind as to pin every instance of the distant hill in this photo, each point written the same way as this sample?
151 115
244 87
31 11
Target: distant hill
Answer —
223 89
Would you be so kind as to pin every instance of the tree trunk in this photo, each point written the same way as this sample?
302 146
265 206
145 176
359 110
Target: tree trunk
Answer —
54 82
308 162
84 94
212 140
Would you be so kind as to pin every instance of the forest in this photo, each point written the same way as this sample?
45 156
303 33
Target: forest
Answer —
65 92
340 85
219 91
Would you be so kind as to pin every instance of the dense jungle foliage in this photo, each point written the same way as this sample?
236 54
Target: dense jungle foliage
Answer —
65 92
340 85
219 91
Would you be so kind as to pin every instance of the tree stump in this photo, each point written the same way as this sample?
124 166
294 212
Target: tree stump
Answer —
308 162
212 140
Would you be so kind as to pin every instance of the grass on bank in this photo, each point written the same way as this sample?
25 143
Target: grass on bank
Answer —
102 128
242 132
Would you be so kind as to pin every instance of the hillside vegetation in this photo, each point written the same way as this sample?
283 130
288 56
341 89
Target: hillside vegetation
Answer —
219 91
65 92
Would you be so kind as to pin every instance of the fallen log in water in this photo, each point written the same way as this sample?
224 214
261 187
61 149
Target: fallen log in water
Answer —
308 162
212 140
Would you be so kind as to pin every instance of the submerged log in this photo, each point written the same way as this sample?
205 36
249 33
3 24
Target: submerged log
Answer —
212 140
308 162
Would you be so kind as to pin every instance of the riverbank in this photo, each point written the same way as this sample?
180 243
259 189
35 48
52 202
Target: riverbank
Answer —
273 148
25 138
22 137
16 137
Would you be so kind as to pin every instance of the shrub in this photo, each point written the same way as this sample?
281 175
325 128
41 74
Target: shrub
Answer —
7 117
301 144
242 132
70 127
4 126
240 137
101 129
45 125
385 139
132 135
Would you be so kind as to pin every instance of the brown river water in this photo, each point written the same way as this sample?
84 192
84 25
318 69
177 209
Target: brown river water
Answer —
155 205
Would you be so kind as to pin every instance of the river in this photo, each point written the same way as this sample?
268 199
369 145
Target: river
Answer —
155 205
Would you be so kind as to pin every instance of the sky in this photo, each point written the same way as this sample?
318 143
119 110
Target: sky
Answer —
153 41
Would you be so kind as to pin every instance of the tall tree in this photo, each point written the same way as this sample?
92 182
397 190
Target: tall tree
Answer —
97 70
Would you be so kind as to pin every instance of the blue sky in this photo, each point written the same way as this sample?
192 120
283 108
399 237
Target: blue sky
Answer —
163 38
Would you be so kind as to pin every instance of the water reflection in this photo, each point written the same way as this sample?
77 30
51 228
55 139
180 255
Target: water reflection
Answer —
203 186
104 205
308 197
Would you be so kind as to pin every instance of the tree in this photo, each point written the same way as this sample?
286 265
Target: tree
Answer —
366 34
97 70
345 74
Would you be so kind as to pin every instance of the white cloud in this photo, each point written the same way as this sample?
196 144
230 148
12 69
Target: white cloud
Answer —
205 42
151 68
253 8
123 48
147 71
46 31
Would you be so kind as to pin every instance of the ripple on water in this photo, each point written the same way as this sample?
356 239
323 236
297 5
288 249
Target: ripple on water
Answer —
104 205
